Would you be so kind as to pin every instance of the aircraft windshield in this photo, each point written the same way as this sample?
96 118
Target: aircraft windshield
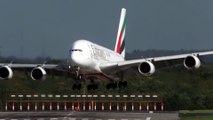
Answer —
76 50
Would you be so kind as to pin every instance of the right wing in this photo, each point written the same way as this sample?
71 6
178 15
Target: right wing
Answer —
147 66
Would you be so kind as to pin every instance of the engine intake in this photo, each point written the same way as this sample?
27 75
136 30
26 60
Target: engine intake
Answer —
191 62
146 68
38 73
6 73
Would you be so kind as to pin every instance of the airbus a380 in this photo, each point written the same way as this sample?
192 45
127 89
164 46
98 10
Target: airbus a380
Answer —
92 61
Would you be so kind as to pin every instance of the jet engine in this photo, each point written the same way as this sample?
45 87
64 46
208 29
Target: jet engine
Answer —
38 73
191 62
146 68
6 73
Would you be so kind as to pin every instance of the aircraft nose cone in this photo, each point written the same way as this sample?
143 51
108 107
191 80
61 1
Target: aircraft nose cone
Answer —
74 59
78 59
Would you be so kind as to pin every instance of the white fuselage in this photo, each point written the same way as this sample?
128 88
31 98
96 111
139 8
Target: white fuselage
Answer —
88 56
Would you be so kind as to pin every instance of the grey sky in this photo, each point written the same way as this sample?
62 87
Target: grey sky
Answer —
31 28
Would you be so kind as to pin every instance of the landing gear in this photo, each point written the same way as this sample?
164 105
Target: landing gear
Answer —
92 87
122 84
112 85
78 77
76 86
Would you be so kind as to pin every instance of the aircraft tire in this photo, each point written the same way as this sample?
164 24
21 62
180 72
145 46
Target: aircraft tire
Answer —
108 86
122 84
92 87
76 87
112 85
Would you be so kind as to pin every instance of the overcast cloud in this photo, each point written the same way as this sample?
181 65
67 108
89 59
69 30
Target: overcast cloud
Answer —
31 28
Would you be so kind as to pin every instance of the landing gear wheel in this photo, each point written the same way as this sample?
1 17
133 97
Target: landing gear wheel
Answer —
112 85
92 87
78 77
76 87
108 86
122 84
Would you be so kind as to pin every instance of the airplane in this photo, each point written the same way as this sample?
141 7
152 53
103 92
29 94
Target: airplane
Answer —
90 61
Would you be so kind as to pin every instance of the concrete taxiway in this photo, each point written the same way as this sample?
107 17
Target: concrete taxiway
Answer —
75 115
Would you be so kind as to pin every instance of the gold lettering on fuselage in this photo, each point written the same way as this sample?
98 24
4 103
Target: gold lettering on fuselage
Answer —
99 54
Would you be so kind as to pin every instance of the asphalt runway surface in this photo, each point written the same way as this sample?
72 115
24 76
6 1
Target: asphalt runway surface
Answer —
76 115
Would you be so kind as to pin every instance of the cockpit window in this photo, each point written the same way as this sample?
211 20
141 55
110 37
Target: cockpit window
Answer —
76 50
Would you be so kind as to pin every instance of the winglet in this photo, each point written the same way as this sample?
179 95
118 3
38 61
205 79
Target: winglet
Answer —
120 40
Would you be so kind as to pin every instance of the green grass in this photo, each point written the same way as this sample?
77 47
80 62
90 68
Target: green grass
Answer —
195 111
197 118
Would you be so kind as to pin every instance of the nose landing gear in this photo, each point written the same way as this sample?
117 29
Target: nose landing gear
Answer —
78 78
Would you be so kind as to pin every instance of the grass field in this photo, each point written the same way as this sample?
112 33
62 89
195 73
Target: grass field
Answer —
196 114
197 118
196 111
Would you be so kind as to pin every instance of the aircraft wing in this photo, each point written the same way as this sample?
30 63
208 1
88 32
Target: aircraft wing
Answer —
48 66
163 61
163 58
40 69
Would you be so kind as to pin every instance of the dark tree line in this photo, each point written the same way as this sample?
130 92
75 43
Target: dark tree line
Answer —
180 88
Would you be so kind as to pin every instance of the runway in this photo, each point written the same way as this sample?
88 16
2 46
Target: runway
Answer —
75 115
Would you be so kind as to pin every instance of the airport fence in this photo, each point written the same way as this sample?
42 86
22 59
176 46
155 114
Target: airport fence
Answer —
51 102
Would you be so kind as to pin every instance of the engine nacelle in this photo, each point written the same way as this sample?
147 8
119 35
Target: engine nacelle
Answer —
6 73
38 73
146 68
191 62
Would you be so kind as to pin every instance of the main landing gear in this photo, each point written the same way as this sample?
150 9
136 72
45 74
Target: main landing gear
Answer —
122 84
76 86
92 85
114 85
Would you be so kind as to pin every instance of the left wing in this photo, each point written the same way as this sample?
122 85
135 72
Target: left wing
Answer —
38 71
48 66
146 66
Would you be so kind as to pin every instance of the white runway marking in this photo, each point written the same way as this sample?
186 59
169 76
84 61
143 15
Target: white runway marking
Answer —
72 118
40 119
85 119
98 119
53 118
148 118
124 119
65 118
